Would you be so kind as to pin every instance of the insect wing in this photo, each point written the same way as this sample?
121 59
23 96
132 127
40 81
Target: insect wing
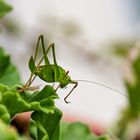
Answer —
32 66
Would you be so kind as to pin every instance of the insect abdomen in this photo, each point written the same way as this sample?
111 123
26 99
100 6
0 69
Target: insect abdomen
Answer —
48 73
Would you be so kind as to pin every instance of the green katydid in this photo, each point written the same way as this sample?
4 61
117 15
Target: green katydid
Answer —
49 72
52 72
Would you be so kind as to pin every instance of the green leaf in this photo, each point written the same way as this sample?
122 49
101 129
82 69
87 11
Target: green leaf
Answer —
33 129
42 94
10 76
32 66
4 114
4 8
122 48
78 131
8 133
16 102
41 102
44 99
131 113
4 61
47 124
134 89
8 73
103 138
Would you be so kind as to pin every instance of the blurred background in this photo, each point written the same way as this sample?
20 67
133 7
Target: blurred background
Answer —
85 33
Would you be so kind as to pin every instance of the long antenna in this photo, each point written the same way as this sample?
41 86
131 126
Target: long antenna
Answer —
96 83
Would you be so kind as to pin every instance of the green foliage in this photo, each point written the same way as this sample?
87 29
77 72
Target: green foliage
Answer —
122 48
4 61
45 115
8 73
9 133
78 131
47 124
4 114
134 89
16 102
4 8
131 113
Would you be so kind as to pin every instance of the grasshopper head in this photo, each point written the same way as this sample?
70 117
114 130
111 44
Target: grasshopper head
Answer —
64 78
64 83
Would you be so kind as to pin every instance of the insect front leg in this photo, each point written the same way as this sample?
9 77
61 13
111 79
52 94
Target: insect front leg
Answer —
75 85
60 83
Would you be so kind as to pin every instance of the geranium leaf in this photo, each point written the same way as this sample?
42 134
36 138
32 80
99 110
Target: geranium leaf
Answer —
78 131
4 8
8 72
16 102
47 124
